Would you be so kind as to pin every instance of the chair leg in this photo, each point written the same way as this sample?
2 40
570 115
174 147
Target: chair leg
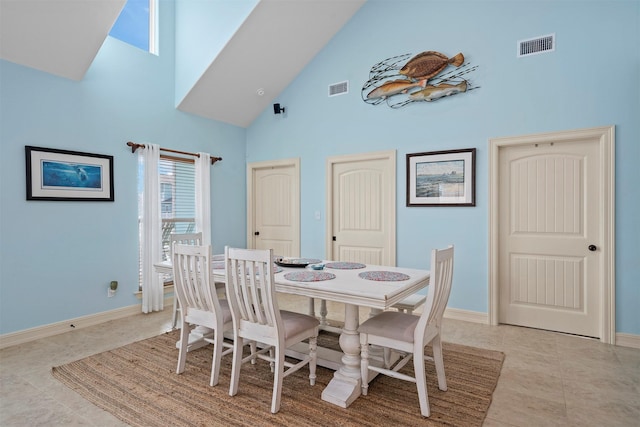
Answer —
421 380
272 355
182 351
387 357
277 379
323 312
235 367
217 355
313 345
364 362
254 348
439 362
174 319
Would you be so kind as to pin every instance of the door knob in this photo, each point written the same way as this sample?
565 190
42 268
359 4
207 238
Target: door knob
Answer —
593 248
257 233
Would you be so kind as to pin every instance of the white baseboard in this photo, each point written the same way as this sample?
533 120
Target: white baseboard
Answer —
627 340
19 337
26 335
466 315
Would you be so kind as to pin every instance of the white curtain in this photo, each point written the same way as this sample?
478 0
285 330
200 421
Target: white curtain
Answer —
203 196
151 251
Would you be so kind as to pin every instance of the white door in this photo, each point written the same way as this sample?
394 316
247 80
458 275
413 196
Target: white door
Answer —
551 235
361 208
274 206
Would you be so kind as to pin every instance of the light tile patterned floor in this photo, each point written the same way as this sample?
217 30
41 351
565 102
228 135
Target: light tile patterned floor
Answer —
548 379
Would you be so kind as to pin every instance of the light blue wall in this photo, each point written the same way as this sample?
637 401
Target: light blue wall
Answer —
592 79
203 28
57 258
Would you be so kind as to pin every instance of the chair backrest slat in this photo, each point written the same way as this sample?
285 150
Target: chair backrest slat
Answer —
444 260
440 281
250 287
186 238
192 278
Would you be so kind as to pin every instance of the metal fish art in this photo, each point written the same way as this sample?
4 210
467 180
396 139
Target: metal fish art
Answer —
428 64
394 87
407 78
431 93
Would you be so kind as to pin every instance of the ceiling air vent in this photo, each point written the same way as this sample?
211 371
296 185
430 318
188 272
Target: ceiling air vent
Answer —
339 88
537 45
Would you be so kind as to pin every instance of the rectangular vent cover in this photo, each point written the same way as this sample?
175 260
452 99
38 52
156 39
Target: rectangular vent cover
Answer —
537 45
339 88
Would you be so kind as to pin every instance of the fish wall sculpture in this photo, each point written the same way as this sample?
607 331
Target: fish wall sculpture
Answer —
404 79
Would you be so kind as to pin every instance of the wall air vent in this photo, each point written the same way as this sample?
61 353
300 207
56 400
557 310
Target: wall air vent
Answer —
537 45
339 88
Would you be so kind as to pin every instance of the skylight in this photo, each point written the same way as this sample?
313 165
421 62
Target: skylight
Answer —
137 25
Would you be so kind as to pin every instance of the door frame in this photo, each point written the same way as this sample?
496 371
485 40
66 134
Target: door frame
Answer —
251 214
352 158
606 137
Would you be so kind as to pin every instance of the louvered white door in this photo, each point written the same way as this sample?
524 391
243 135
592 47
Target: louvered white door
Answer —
362 208
274 207
549 231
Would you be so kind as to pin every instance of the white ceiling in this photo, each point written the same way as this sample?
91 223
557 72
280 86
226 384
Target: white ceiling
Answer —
273 45
60 37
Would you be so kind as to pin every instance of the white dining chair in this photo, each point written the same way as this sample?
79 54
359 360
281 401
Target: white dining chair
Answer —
410 303
257 318
408 334
199 303
183 239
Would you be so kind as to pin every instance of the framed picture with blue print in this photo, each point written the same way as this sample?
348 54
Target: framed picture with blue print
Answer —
441 178
65 175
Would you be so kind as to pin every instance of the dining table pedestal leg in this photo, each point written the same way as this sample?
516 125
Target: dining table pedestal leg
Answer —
345 386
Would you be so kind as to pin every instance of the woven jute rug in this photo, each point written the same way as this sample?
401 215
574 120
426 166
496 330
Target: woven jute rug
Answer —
137 383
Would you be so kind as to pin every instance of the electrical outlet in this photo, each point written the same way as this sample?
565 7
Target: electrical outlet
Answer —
113 286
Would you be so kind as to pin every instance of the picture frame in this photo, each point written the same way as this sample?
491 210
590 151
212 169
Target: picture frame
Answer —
442 178
64 175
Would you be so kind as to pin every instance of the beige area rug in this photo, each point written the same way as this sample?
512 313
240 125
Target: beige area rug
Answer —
137 383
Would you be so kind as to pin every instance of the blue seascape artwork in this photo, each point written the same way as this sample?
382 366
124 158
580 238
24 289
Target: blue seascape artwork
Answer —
440 179
71 175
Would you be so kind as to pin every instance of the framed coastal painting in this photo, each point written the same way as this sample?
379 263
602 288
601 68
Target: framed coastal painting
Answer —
68 175
441 178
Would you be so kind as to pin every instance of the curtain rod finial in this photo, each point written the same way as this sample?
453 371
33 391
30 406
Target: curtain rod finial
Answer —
133 146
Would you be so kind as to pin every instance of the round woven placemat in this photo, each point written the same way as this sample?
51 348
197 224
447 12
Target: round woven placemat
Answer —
309 276
345 265
383 276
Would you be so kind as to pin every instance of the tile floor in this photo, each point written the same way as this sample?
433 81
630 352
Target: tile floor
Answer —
548 379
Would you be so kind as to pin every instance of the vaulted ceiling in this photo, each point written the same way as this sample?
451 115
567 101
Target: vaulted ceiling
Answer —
278 38
58 37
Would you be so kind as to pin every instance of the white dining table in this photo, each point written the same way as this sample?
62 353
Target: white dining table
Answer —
349 288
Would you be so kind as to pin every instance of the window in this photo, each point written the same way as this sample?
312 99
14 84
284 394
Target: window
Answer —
177 200
137 25
177 194
166 198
